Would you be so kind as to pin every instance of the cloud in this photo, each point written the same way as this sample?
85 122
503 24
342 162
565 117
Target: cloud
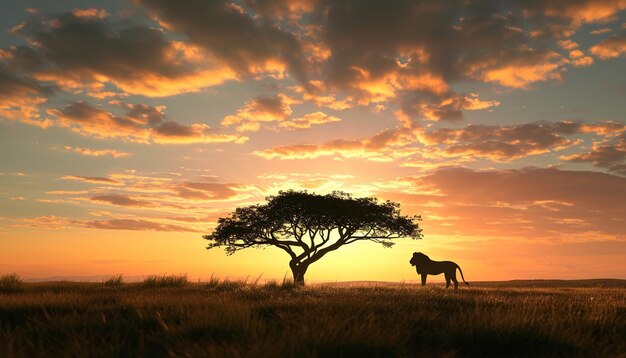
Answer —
610 154
136 225
48 222
576 57
206 191
90 13
379 147
426 148
160 191
604 30
340 53
67 192
503 142
20 96
449 107
92 180
580 11
526 204
228 32
375 56
411 52
62 223
98 152
529 185
141 123
81 51
262 109
318 93
308 120
282 8
613 47
275 112
195 219
121 200
523 71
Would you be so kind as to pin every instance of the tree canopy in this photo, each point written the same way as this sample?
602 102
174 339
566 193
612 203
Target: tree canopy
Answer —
307 226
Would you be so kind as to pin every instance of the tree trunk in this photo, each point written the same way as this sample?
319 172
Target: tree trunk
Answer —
298 271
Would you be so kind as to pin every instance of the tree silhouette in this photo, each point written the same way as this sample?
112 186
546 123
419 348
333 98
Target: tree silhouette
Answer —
307 226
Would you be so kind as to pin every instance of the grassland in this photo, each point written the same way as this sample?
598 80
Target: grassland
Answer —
168 316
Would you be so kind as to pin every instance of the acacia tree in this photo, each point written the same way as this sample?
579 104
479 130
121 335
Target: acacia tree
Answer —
307 226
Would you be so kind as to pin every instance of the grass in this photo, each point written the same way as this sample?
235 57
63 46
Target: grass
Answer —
169 316
171 281
114 281
11 283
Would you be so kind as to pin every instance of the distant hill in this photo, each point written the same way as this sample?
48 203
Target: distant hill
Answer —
601 282
598 282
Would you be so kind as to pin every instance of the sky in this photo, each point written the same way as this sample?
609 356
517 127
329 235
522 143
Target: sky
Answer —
127 128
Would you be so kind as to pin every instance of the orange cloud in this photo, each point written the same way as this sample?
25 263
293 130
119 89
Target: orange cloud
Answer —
121 200
92 180
308 120
98 152
379 147
503 142
527 204
48 222
329 101
584 11
227 31
67 192
20 97
605 128
613 47
141 123
264 109
81 52
433 148
568 44
90 13
283 9
449 107
521 73
610 154
601 31
135 224
273 110
160 191
583 61
318 93
206 191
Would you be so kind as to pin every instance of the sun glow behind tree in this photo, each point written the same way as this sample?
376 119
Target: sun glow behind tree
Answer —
308 226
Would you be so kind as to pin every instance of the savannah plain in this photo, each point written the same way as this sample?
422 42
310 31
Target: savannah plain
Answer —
170 316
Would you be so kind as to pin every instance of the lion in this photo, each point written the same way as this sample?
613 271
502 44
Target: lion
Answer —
425 266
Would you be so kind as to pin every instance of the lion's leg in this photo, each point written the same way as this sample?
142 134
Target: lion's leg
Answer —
456 283
447 281
424 279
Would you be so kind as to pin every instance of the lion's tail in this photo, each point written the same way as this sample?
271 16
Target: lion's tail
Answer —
461 271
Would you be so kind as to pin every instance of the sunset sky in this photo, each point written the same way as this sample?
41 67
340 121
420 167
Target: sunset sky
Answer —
128 127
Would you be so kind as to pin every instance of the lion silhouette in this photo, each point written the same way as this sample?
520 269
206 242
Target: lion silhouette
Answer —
425 266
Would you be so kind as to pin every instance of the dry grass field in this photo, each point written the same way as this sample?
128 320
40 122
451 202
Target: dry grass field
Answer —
169 316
